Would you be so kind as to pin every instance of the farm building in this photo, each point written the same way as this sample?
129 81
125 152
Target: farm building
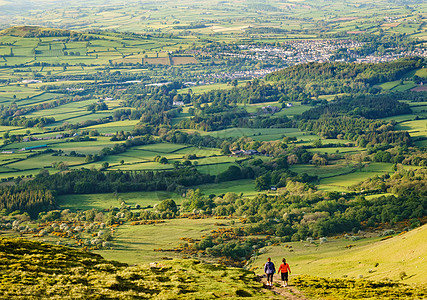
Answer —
34 147
244 152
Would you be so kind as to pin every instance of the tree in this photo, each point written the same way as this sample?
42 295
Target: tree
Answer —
163 161
292 159
187 163
319 160
167 205
317 143
232 173
262 183
226 149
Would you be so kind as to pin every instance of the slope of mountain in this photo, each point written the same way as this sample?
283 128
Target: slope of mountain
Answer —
36 270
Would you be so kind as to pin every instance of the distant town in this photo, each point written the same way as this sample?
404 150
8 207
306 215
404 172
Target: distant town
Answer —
304 51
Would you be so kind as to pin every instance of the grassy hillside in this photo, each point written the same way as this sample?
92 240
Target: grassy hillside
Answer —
402 258
404 253
31 270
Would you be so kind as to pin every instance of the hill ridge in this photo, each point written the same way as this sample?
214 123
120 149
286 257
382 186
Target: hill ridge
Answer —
34 31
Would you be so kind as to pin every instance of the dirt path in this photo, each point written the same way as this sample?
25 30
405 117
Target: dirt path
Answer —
290 292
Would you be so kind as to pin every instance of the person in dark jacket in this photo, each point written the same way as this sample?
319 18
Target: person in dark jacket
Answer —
269 269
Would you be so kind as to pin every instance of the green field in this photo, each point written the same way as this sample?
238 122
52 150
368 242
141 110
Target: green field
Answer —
259 134
114 127
297 109
398 86
245 186
342 182
163 147
42 161
206 88
327 171
106 201
415 128
135 244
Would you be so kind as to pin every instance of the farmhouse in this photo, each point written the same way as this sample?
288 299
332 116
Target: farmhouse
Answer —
251 152
31 81
237 152
244 152
270 109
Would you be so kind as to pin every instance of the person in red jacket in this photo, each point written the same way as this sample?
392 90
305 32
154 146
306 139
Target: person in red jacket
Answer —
283 270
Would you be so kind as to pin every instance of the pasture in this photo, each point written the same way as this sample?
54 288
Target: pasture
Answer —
416 128
245 186
113 127
258 134
330 170
215 169
341 183
163 147
135 244
107 201
296 109
47 160
200 89
332 150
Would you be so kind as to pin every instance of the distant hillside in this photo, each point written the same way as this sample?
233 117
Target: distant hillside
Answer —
370 73
367 106
34 31
35 270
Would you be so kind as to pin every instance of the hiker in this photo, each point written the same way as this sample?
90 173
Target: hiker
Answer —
269 269
283 270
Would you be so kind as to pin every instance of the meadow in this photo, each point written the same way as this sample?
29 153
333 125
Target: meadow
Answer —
106 201
136 243
258 134
342 182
